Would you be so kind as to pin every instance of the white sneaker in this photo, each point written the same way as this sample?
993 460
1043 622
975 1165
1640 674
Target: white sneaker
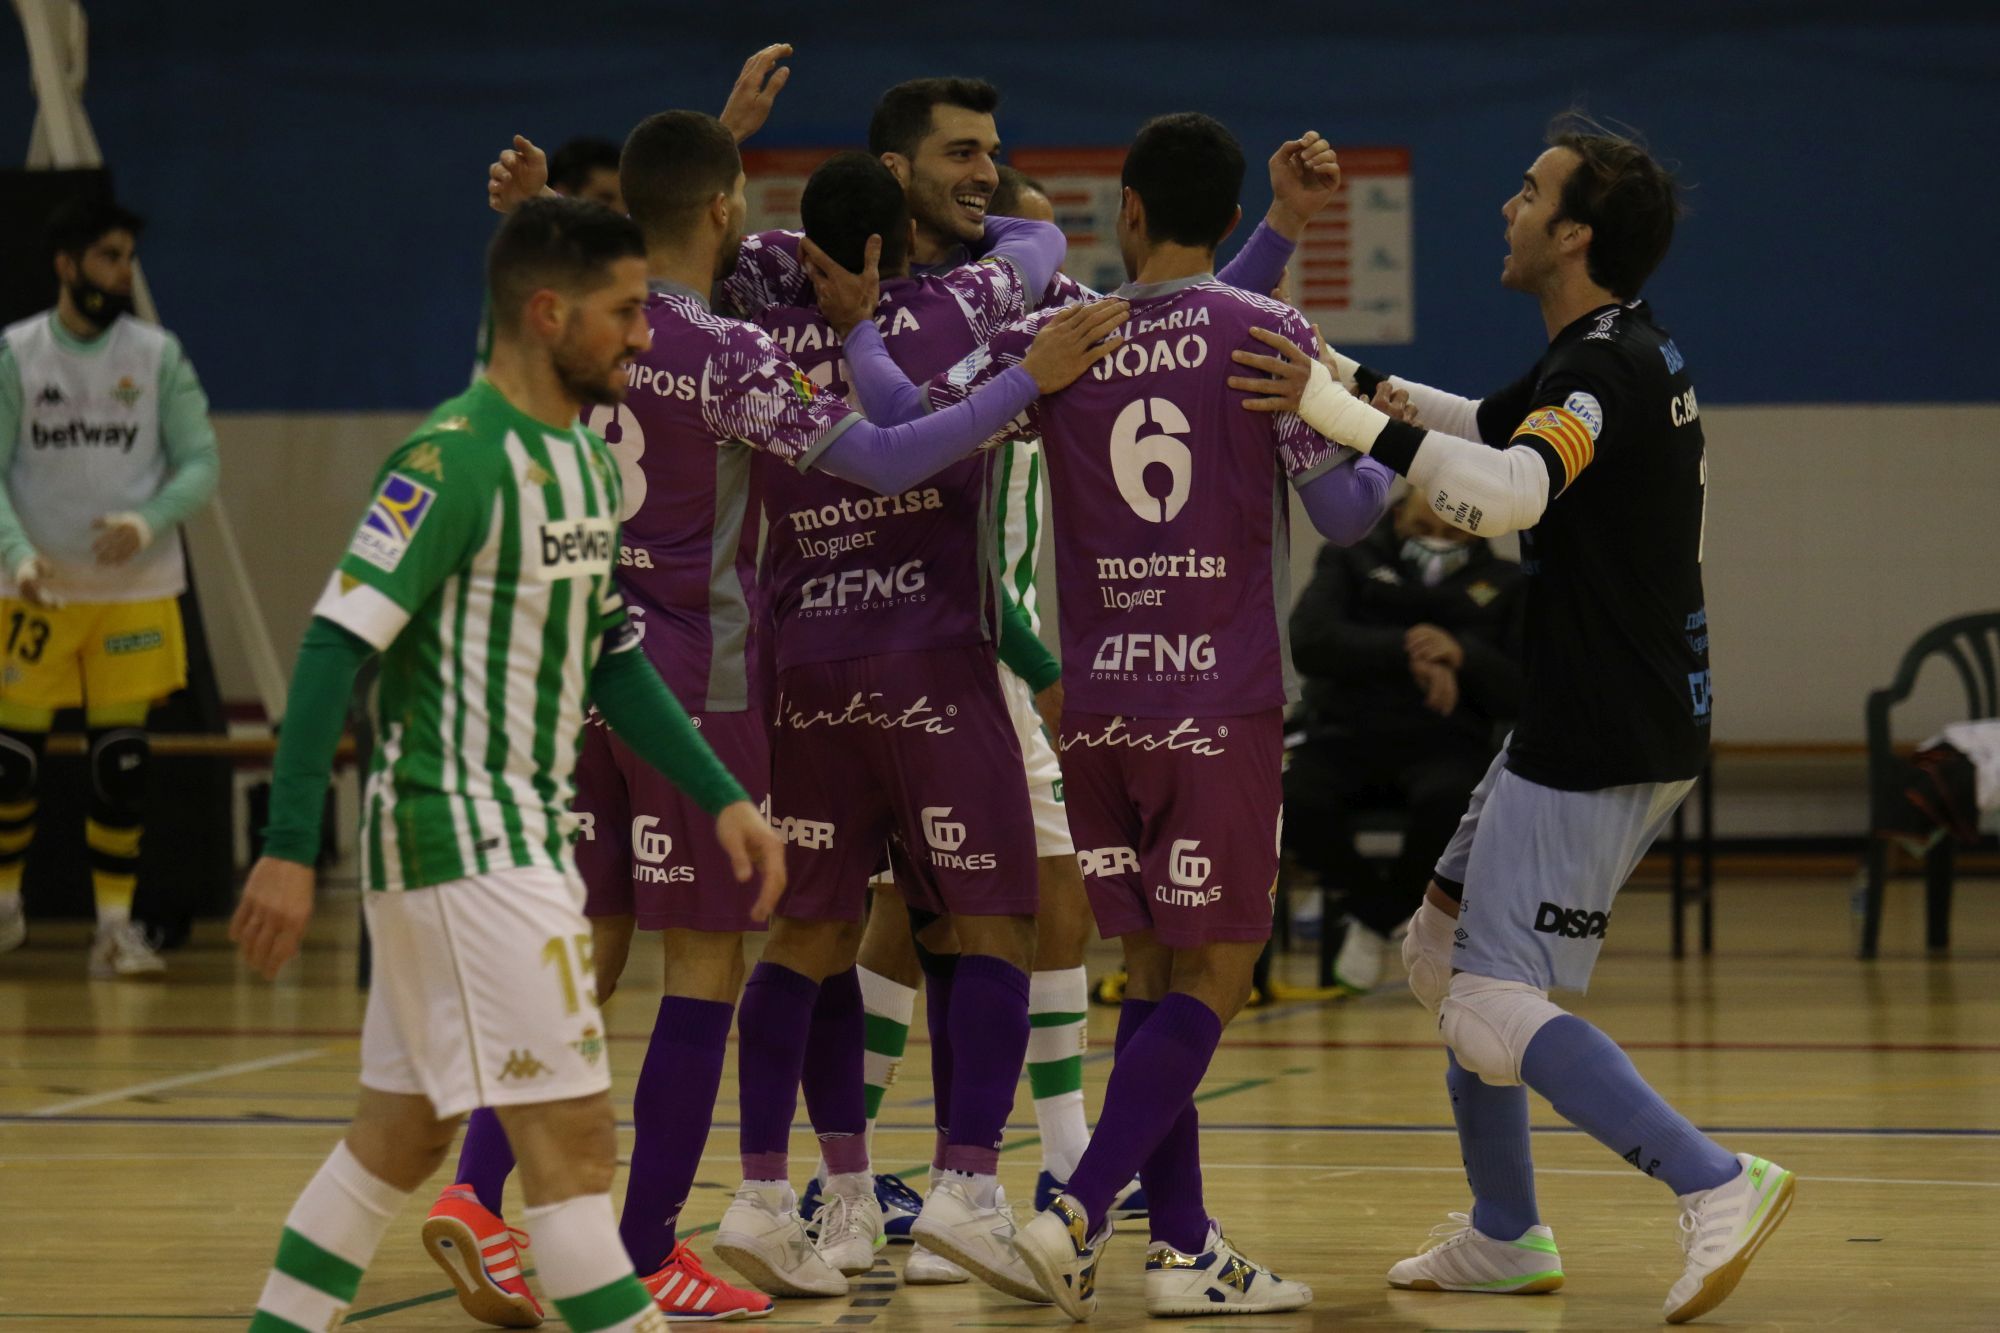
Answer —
1721 1231
122 950
926 1269
13 924
1358 965
849 1223
978 1239
1219 1280
1063 1258
1461 1257
762 1238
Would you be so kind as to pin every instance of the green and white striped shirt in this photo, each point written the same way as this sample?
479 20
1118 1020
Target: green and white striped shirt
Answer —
483 573
1019 496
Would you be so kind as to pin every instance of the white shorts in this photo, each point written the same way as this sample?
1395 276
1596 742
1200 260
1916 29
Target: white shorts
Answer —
483 993
1045 793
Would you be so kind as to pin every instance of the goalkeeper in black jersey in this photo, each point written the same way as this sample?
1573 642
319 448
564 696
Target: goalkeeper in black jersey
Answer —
1596 457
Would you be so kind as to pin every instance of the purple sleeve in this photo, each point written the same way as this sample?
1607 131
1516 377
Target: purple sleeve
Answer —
1035 248
887 397
1345 502
1260 265
887 459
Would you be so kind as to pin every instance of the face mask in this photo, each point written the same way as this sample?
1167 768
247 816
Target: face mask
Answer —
99 306
1436 558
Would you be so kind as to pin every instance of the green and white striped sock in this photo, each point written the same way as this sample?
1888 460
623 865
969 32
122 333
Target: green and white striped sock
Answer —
1057 1004
329 1238
889 1006
584 1268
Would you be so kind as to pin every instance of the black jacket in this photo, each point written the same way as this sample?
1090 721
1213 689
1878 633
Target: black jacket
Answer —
1347 638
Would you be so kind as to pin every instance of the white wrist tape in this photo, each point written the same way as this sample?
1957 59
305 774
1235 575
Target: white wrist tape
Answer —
1338 414
1344 368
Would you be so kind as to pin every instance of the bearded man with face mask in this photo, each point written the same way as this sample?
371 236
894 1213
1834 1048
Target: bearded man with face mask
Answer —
105 448
1409 645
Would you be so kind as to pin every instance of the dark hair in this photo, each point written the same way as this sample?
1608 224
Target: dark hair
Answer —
571 165
81 223
903 117
674 163
565 244
851 197
1187 169
1627 199
1013 183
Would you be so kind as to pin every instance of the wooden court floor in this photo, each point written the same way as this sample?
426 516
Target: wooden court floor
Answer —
152 1137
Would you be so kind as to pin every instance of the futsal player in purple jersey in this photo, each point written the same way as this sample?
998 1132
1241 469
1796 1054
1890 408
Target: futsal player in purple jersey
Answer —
709 393
1172 545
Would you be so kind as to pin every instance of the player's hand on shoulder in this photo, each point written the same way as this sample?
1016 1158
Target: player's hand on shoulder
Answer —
1287 369
519 174
1076 338
845 299
753 848
32 579
270 921
1305 175
757 87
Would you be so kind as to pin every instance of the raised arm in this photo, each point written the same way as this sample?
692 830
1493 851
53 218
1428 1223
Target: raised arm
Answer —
1305 175
1035 248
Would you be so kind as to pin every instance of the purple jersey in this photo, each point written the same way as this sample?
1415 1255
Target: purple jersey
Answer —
769 275
1173 545
848 572
704 396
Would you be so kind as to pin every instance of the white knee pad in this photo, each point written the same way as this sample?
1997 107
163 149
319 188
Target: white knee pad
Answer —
1488 1024
1427 955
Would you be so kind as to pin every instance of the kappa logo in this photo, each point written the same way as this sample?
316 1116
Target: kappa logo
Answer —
391 524
522 1065
946 836
1571 923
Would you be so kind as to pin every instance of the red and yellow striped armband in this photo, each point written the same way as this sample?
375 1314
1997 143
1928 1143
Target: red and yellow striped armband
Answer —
1563 431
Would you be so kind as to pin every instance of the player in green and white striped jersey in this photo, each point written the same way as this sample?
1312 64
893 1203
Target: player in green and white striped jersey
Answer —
482 573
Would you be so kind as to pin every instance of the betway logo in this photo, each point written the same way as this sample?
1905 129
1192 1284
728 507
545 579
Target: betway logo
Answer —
577 548
1154 652
78 434
946 836
862 585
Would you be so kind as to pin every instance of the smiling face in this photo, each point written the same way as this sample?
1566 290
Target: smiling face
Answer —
1537 241
952 175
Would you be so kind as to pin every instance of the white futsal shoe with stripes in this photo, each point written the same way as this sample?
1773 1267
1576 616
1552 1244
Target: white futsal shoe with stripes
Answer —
1218 1281
763 1238
1461 1257
1722 1229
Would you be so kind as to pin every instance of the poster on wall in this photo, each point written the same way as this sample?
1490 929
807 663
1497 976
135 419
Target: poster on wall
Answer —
1352 274
777 177
1082 184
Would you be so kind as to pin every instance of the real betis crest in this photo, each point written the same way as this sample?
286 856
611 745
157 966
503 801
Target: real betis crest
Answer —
127 392
591 1045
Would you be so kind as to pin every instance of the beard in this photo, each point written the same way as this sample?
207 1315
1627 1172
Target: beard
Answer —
931 204
586 379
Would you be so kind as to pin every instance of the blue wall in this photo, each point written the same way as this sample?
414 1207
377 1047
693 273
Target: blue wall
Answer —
314 173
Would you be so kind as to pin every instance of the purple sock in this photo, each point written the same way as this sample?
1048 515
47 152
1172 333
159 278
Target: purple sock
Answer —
672 1105
1592 1084
1493 1140
1152 1082
938 974
835 1079
774 1024
1176 1212
989 1026
486 1159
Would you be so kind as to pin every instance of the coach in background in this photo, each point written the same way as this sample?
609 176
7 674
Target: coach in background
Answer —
1409 645
105 448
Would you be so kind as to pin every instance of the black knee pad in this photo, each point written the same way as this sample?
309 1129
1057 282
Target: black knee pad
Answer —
20 764
938 965
119 758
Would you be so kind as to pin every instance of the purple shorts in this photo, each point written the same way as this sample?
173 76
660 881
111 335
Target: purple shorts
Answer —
646 850
1176 822
917 746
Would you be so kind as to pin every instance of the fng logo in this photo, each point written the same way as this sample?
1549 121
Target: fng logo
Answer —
946 836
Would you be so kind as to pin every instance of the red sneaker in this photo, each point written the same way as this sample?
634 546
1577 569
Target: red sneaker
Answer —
479 1253
684 1290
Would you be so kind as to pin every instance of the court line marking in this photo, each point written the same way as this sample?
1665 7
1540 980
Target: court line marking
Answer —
178 1081
1334 1170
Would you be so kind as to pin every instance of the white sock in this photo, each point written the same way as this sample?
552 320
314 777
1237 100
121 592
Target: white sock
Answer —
329 1238
110 915
584 1268
1058 1006
982 1189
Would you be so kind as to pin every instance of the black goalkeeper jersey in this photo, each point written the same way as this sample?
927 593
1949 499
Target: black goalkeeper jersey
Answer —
1616 682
